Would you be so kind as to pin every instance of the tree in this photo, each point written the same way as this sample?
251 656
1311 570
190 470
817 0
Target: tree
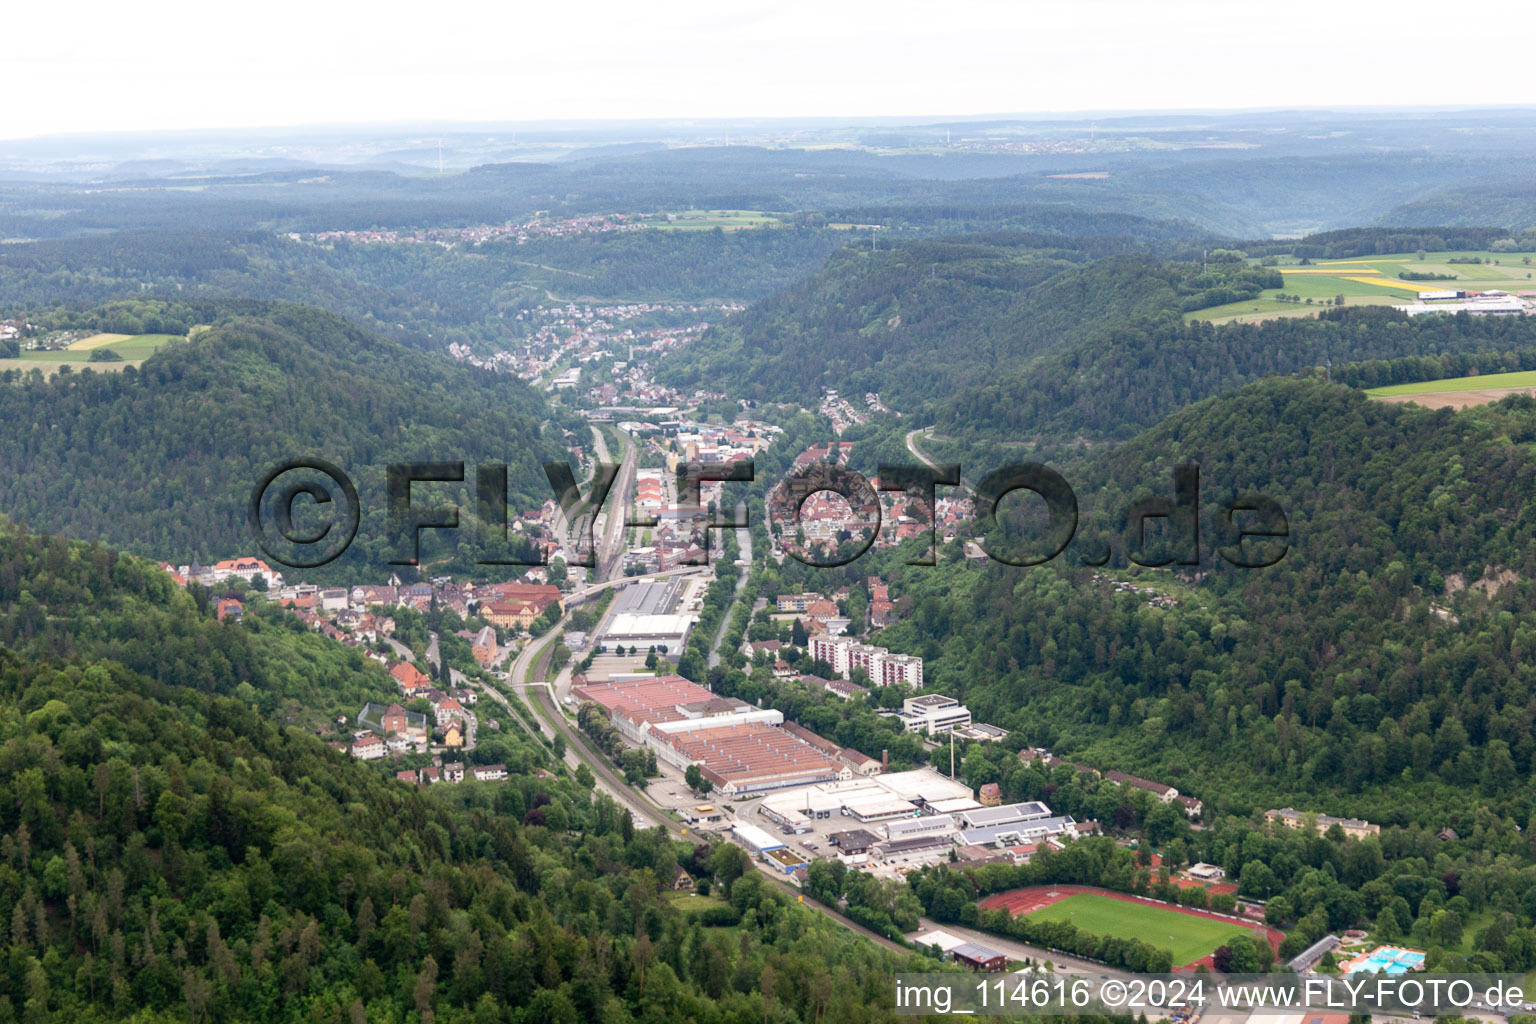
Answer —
728 862
693 777
426 988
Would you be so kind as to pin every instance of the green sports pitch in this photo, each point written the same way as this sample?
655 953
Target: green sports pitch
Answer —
1188 936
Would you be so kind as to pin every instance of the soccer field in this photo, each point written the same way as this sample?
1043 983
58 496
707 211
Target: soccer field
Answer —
1188 936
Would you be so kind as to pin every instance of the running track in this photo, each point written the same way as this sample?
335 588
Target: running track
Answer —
1025 901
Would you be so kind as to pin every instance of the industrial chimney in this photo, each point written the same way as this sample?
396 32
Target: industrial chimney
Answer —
885 760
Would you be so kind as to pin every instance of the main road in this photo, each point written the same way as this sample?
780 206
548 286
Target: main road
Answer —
540 697
744 542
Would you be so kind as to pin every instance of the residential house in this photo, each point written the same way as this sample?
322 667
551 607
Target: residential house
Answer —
1353 828
368 748
484 647
408 675
1167 794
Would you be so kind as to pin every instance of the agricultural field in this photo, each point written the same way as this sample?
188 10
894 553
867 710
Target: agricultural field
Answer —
96 341
1189 937
1374 281
726 220
133 348
1459 392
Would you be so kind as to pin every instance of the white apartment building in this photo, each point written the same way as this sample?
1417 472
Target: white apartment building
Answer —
845 654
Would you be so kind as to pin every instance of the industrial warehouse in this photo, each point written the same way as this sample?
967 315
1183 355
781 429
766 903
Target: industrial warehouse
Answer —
1491 302
653 613
808 787
739 748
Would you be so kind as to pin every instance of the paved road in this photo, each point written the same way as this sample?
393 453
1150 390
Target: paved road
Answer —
744 541
644 810
912 436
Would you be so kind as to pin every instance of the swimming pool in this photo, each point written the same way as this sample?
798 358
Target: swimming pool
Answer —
1386 960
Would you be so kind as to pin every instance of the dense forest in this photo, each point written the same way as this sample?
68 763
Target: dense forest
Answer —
166 849
919 322
1377 669
161 459
1133 373
1017 338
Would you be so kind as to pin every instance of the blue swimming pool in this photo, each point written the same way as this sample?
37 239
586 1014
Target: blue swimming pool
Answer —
1388 960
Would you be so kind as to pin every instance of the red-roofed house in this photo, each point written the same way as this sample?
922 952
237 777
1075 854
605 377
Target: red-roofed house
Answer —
408 675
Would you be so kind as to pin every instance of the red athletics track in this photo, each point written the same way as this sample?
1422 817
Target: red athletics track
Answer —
1025 901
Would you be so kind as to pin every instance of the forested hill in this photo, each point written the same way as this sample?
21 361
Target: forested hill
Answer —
1024 337
161 460
919 321
170 852
1373 671
1510 202
1128 376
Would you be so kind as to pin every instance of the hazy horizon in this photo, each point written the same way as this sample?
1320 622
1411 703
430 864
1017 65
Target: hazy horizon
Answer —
691 60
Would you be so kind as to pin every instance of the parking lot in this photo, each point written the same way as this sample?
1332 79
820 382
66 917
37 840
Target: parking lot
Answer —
672 793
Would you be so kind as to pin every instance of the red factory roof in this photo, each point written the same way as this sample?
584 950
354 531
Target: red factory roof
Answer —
645 700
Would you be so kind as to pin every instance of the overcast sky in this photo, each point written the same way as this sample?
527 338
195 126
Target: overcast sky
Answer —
178 64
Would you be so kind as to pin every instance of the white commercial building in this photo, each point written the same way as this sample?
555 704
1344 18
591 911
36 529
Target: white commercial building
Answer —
798 807
1018 833
933 713
922 786
928 825
754 839
986 817
630 629
1489 303
945 941
917 850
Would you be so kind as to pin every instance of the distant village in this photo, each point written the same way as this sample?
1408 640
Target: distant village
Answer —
538 227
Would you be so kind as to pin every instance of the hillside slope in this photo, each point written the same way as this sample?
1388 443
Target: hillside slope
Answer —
1128 376
169 852
917 322
162 460
1362 670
